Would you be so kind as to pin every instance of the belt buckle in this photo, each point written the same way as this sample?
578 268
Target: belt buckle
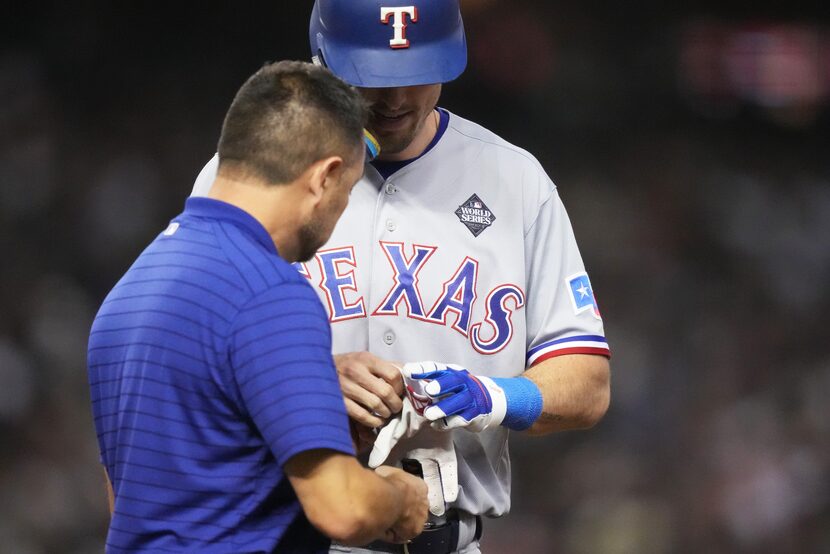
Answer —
432 525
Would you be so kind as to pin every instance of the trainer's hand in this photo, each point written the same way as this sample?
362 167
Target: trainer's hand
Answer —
403 426
413 497
372 387
463 400
363 437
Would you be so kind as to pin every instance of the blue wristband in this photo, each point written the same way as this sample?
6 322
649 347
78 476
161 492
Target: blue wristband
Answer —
524 401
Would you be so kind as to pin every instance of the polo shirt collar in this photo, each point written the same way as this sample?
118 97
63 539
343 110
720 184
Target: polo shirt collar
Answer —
216 209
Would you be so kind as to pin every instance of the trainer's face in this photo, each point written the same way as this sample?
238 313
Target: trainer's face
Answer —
317 230
398 117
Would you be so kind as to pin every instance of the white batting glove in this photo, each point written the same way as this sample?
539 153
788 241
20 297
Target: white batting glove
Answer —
439 463
403 426
439 466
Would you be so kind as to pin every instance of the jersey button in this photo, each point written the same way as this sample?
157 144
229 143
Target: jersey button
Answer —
391 225
391 188
389 338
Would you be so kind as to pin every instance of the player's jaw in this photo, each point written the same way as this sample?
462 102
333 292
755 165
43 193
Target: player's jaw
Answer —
398 118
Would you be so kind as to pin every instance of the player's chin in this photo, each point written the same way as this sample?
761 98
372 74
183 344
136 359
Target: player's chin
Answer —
392 143
393 133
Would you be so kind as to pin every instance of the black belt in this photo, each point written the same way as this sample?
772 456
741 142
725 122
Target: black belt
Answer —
433 540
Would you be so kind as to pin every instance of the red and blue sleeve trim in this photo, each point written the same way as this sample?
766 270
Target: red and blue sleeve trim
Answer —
580 344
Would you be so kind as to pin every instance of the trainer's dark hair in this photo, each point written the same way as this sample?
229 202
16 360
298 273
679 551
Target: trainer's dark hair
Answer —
287 116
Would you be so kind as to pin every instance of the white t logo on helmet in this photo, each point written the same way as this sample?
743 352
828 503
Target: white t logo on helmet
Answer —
399 23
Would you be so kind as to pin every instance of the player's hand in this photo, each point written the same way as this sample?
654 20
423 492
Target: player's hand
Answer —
372 387
460 399
413 498
414 386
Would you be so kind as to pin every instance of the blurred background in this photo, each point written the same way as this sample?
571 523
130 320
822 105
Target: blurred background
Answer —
691 146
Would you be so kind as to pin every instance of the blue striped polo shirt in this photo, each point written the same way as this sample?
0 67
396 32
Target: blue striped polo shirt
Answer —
210 366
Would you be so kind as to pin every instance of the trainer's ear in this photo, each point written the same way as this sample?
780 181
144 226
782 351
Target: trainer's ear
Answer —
322 175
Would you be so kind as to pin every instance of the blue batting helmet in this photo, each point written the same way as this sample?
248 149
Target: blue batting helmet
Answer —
389 43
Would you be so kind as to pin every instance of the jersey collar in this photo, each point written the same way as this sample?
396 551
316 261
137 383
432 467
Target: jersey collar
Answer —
388 168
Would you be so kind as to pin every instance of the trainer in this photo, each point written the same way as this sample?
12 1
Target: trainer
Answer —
216 401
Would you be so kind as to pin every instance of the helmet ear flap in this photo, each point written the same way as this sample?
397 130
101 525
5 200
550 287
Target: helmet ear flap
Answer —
319 59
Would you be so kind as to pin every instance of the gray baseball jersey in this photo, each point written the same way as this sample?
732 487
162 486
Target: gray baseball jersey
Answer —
465 256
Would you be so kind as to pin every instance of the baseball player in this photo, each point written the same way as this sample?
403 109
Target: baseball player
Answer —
455 247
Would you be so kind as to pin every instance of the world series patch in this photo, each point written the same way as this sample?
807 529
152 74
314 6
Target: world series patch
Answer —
475 215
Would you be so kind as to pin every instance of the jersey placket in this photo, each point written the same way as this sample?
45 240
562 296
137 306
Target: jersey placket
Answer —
382 330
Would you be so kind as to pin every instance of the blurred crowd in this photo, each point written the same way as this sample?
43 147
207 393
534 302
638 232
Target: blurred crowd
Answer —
703 216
